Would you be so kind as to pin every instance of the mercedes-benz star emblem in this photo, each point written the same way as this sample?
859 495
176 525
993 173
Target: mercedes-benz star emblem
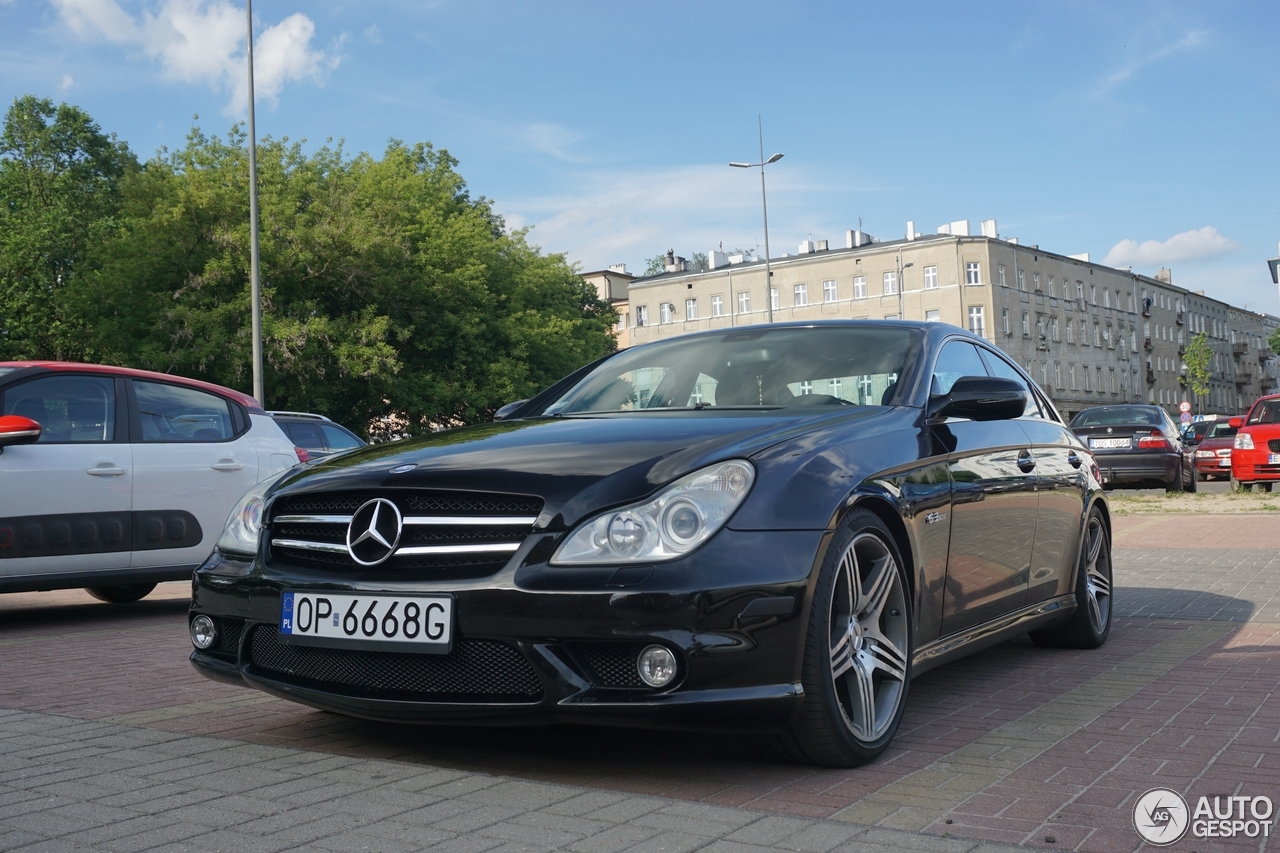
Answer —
374 532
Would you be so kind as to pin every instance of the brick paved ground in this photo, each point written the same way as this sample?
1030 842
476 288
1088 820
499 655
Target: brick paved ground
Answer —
1014 745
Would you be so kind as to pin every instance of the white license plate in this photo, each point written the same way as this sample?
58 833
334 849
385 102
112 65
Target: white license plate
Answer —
421 623
1273 458
1109 442
1224 462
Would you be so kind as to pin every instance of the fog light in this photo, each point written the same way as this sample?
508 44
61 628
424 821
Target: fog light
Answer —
203 632
656 665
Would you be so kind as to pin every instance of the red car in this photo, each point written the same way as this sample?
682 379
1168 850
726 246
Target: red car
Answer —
1255 458
1213 451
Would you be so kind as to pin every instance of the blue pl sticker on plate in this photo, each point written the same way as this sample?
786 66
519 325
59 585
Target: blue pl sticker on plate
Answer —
286 613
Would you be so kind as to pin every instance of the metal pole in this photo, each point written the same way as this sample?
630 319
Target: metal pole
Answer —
901 307
764 203
255 275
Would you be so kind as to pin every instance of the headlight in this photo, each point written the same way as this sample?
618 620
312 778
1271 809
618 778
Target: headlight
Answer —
1244 441
240 536
680 518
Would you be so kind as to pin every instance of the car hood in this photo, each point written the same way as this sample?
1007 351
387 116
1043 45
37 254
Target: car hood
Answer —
577 465
1216 443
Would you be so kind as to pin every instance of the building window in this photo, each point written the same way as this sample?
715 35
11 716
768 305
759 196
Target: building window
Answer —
834 387
1035 281
717 306
1026 325
931 278
1097 335
1000 273
1085 370
744 302
1080 290
1093 294
801 292
622 321
1071 332
1053 328
806 388
642 315
931 316
1057 375
1004 320
1099 385
1106 298
859 287
1112 370
1084 334
1051 286
890 283
1022 279
829 290
666 312
971 273
975 320
1071 369
773 298
691 309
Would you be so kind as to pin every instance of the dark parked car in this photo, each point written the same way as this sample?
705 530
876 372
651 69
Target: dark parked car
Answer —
1137 445
763 528
316 434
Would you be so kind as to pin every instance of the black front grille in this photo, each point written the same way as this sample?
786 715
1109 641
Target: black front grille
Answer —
1266 469
417 503
612 664
474 671
229 633
1274 445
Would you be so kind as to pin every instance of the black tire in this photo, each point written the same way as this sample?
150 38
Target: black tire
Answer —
1189 482
120 594
857 656
1266 487
1090 625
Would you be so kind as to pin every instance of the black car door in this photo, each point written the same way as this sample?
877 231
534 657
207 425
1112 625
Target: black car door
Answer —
994 508
1060 490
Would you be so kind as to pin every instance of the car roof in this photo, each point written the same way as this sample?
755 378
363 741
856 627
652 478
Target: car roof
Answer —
308 416
240 397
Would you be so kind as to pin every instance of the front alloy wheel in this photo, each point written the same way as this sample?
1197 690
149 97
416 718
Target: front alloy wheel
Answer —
858 655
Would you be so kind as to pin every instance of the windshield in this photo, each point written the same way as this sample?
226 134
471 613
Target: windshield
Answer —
4 370
1267 412
1118 415
752 368
1221 429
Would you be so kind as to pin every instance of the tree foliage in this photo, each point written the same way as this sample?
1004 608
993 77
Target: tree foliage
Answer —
1197 357
1274 342
388 290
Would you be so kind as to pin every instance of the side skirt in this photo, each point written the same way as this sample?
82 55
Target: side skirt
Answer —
1042 614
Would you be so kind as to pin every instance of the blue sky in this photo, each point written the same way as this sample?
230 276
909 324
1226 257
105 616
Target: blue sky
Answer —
1145 133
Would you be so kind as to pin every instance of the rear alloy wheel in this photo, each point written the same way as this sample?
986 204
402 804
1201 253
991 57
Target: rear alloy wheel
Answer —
857 661
123 594
1091 623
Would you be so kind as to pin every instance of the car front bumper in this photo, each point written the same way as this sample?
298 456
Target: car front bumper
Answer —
539 644
1255 466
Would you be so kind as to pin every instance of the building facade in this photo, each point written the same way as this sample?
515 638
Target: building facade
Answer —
611 285
1089 334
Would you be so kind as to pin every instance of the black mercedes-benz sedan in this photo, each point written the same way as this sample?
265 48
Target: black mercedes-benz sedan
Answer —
767 528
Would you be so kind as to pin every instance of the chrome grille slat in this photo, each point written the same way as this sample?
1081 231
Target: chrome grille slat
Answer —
464 520
302 544
424 550
313 519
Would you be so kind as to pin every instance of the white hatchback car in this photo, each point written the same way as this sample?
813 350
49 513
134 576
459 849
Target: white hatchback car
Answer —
128 478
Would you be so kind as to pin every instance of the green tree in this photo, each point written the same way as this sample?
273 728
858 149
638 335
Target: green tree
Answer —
59 194
656 265
387 289
1197 357
1274 342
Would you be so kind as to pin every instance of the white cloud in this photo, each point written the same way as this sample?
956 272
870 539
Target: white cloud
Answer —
373 34
1193 245
1189 42
548 138
202 41
67 82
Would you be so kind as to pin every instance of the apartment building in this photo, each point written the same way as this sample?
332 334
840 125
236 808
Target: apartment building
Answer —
611 286
1089 334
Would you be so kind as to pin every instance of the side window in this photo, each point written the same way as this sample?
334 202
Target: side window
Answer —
338 439
175 413
305 435
958 358
70 409
999 367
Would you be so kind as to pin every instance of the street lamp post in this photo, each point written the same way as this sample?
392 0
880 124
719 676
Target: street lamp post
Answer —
255 274
764 204
902 285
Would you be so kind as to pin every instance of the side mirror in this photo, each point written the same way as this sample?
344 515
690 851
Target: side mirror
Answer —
1235 423
980 398
508 410
15 429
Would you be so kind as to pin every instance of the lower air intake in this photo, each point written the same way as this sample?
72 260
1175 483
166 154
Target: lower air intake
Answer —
475 671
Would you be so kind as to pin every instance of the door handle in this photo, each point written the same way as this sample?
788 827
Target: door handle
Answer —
227 465
1026 462
1074 459
105 471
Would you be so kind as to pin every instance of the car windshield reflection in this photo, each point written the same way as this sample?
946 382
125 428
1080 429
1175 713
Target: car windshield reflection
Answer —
754 368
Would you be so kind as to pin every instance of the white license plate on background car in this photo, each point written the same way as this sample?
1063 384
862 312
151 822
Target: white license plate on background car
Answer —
421 623
1109 443
1224 462
1273 458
